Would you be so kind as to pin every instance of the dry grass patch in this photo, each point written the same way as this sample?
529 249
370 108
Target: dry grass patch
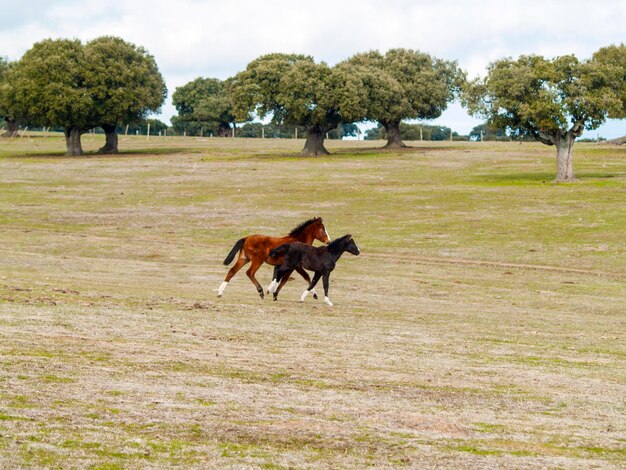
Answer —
481 327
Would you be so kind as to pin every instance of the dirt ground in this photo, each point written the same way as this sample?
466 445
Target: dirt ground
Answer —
481 327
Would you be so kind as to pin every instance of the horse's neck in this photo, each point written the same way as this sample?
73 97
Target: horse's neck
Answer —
306 237
336 254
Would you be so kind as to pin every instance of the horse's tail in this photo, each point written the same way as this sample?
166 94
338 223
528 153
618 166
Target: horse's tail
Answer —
279 251
231 256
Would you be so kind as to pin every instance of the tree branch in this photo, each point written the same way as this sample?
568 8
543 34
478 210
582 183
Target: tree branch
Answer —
577 129
544 138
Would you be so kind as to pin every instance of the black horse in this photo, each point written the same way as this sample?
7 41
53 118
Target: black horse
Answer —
320 260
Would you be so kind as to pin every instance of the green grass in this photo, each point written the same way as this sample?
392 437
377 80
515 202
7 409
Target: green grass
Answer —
482 325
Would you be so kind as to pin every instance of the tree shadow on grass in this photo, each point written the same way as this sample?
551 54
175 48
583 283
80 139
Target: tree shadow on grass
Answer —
533 179
394 150
94 154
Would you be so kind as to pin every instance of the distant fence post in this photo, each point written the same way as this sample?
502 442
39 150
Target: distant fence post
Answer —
262 132
148 133
126 132
296 133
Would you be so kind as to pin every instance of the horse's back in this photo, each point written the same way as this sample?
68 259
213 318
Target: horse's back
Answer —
310 257
261 245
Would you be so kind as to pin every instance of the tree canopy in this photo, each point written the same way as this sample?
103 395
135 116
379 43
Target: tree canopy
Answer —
551 100
295 90
404 84
204 106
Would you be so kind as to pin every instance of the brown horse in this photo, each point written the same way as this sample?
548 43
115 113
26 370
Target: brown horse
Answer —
255 249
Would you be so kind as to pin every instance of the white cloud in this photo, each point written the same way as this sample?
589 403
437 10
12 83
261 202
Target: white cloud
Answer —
191 38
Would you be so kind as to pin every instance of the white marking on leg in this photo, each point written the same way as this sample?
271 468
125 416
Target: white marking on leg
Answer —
303 296
327 300
313 291
272 287
220 291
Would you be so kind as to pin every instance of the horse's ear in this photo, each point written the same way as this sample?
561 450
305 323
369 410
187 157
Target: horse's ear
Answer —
349 237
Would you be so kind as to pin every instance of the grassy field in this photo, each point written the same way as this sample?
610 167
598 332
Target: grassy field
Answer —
483 324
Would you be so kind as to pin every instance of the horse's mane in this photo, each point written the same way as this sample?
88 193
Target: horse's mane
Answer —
298 230
338 243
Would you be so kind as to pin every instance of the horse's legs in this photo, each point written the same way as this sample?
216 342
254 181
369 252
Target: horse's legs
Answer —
281 275
277 284
281 281
272 287
242 261
326 281
307 278
311 286
251 271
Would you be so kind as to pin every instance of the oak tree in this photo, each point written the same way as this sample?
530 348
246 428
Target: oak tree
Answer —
296 91
78 87
551 100
405 84
125 85
204 104
47 87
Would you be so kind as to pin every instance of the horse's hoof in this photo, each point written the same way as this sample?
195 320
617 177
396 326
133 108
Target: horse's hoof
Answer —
315 296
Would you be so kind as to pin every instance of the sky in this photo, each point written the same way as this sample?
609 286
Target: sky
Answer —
207 38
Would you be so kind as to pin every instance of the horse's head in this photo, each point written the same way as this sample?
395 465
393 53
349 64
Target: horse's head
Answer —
320 231
351 246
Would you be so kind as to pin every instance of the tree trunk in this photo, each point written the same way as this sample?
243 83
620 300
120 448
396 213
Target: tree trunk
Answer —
393 135
314 145
110 144
564 157
72 140
11 127
224 130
